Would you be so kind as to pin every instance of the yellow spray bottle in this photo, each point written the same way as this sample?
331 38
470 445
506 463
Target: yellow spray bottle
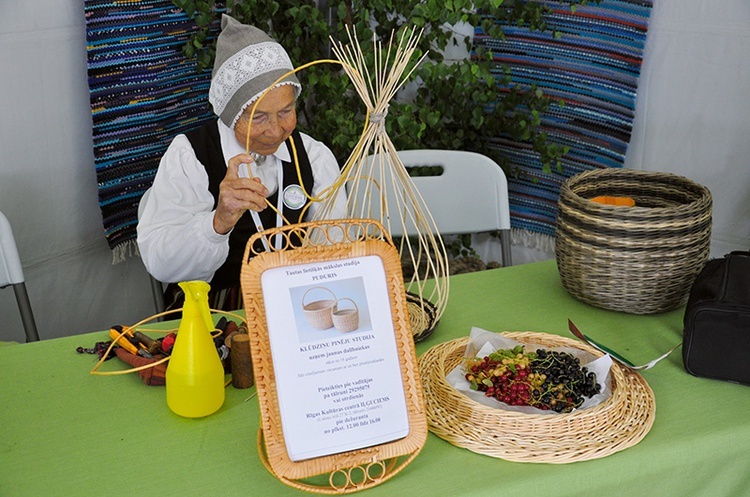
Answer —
195 375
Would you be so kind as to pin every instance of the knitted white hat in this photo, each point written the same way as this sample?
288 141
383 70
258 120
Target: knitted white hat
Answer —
248 61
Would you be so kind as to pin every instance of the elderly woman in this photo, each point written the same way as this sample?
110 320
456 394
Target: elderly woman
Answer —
202 208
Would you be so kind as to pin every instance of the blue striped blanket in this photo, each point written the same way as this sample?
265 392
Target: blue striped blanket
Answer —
143 92
593 68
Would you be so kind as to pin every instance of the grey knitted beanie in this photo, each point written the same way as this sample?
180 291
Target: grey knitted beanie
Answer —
248 61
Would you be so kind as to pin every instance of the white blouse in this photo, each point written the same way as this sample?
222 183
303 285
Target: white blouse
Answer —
176 238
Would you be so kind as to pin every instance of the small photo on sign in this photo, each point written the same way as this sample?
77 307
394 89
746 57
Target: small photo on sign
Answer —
329 309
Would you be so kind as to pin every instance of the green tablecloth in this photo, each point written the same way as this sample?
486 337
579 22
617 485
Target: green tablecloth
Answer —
65 432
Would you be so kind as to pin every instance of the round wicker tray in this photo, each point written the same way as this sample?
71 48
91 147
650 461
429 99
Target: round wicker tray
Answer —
616 424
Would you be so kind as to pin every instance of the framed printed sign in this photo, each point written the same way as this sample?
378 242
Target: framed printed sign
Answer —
333 355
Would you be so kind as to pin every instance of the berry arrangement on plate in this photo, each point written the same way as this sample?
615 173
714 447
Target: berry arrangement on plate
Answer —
546 380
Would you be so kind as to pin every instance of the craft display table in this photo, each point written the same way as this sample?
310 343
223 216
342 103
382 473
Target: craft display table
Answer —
66 432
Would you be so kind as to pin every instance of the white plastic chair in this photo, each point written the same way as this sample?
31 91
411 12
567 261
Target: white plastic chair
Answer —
11 273
470 196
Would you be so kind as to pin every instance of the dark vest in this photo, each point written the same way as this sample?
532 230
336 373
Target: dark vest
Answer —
207 146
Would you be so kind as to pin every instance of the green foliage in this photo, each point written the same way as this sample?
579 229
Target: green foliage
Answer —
460 246
454 106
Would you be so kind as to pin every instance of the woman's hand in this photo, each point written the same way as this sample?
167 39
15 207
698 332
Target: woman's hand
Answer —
236 195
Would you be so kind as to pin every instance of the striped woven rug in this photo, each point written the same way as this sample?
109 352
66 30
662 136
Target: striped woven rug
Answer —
594 68
143 92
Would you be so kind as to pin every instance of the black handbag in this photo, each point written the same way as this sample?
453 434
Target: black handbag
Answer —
716 334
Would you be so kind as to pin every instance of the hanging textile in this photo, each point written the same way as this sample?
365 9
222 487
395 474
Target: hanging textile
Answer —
594 68
143 92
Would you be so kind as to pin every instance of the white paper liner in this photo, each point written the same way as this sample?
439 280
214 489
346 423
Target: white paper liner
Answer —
483 343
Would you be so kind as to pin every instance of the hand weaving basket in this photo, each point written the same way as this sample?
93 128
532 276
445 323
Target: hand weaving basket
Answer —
318 312
619 422
641 259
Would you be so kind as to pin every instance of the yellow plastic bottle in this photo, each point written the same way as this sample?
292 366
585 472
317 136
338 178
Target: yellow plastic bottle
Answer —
195 375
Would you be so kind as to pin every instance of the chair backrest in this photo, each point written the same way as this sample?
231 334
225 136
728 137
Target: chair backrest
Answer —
11 271
469 196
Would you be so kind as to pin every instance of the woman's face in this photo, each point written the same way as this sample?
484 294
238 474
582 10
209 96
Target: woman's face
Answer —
274 119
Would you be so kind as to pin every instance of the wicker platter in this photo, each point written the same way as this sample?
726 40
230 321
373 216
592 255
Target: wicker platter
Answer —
616 424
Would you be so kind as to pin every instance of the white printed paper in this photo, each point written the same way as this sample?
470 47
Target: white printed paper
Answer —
339 382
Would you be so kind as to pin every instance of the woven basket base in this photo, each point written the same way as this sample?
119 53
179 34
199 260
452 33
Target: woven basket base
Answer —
422 314
616 424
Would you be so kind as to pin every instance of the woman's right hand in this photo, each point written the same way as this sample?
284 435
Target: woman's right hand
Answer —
237 195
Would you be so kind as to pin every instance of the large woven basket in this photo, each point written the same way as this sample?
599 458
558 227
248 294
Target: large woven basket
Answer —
619 422
641 259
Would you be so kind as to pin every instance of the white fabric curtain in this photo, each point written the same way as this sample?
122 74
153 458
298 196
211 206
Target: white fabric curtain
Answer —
693 110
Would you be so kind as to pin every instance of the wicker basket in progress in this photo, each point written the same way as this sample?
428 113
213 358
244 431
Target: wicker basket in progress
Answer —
616 424
642 259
